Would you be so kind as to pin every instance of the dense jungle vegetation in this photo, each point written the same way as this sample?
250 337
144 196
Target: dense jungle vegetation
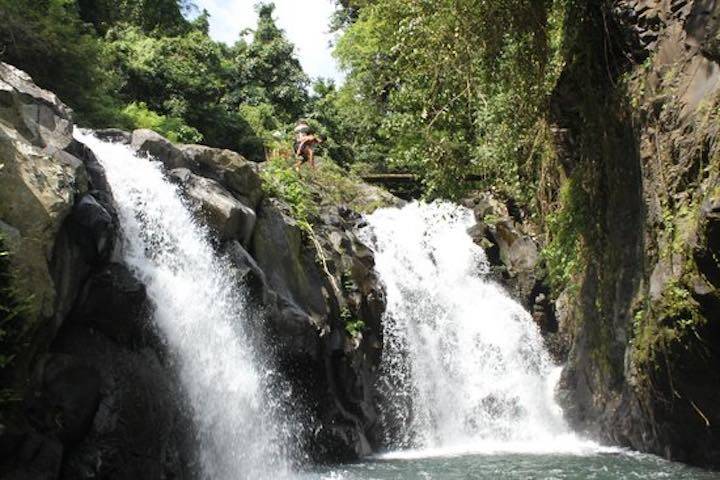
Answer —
442 89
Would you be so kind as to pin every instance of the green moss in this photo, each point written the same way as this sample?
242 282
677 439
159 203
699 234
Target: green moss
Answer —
564 252
305 191
281 181
670 319
353 326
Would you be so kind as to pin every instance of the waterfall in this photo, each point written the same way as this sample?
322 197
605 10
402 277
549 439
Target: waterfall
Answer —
201 314
463 365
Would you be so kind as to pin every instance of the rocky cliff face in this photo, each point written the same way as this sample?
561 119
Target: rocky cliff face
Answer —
89 392
635 124
322 299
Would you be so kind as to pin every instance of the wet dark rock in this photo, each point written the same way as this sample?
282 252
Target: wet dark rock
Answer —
94 229
113 302
309 319
139 430
277 247
29 456
65 397
641 371
159 147
114 135
95 171
250 273
231 217
100 403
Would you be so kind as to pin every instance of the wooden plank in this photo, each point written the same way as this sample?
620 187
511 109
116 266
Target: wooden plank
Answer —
405 178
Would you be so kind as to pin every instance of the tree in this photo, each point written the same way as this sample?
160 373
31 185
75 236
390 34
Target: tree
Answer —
267 70
454 86
48 40
151 16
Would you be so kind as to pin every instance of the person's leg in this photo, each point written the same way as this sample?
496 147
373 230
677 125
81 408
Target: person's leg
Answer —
304 155
297 155
311 157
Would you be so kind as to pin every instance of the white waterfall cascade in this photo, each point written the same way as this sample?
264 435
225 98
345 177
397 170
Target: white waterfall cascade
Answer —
463 367
200 313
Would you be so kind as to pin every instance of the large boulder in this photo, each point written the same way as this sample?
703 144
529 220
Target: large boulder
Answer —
510 249
39 182
290 271
160 148
65 397
322 280
231 217
113 302
139 430
231 169
34 114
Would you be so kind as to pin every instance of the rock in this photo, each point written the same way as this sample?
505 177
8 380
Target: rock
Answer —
95 171
37 116
514 256
290 270
29 456
38 181
226 167
517 251
228 215
114 135
100 403
65 397
640 373
94 229
158 147
249 271
86 241
113 302
139 429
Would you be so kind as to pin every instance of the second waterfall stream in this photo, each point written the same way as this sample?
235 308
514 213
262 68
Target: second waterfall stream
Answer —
464 368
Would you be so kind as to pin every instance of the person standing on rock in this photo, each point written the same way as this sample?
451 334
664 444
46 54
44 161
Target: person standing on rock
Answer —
305 143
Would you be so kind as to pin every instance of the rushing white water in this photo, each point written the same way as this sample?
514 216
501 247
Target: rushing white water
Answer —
200 313
463 368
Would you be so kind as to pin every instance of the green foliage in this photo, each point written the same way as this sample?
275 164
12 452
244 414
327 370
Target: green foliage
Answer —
153 16
668 320
450 88
353 326
563 253
47 39
182 77
267 71
138 115
131 63
281 181
13 311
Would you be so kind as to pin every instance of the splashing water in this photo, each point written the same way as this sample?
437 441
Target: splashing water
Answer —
200 313
463 368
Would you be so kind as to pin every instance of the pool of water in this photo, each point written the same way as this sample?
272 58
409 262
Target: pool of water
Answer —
601 465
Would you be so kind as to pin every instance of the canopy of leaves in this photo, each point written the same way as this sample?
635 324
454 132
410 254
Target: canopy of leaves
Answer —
144 63
450 87
267 70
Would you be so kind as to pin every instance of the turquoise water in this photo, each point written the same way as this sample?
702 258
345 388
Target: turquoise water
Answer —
609 465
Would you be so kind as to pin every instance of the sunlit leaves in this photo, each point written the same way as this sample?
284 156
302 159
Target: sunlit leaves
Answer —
456 86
